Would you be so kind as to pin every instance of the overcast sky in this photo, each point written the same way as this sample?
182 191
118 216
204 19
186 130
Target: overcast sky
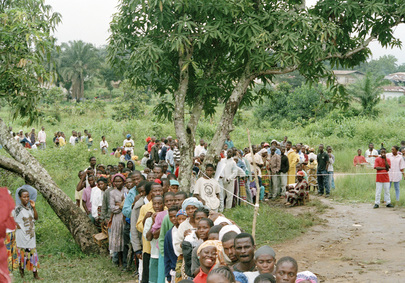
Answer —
88 20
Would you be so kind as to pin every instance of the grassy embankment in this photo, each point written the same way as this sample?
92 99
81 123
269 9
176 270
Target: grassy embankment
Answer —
62 260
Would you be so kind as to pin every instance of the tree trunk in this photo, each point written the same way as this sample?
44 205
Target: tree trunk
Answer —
225 125
27 167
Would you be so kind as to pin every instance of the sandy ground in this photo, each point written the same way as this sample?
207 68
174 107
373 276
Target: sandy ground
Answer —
355 244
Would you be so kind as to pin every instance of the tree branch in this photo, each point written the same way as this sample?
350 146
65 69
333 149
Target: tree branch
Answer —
12 166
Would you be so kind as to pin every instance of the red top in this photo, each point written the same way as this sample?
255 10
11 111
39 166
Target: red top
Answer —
201 277
382 175
359 159
150 146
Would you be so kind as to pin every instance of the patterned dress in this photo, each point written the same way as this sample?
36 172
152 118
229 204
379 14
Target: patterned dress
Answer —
25 238
116 236
265 176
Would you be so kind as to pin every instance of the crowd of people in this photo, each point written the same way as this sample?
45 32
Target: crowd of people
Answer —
176 235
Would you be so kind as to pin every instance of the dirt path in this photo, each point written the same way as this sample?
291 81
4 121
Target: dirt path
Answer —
356 244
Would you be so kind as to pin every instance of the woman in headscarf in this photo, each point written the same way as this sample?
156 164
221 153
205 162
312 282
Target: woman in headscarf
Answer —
131 165
209 255
117 197
299 192
190 205
265 258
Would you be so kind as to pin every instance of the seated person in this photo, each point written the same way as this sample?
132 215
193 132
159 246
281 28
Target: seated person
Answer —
298 192
359 160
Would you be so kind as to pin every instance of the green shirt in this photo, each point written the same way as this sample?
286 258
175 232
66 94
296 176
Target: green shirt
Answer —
166 226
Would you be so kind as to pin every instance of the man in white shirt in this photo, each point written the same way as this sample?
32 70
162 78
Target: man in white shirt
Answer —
73 138
42 138
371 154
199 149
207 189
229 174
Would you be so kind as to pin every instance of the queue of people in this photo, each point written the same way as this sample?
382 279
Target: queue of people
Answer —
170 235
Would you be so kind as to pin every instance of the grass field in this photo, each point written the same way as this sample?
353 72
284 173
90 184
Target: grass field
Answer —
61 259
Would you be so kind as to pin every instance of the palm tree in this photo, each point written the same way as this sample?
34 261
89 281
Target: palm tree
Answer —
367 92
78 61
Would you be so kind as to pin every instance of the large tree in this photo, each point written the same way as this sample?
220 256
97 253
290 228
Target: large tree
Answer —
207 52
77 62
26 43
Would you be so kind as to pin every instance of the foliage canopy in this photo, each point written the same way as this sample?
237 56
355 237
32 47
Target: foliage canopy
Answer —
26 43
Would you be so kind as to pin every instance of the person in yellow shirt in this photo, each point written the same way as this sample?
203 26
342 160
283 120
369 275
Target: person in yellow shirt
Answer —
293 159
151 190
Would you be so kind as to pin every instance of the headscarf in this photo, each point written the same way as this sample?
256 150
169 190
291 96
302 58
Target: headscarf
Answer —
31 190
118 175
228 228
133 164
221 219
213 243
306 275
301 173
240 277
191 201
128 136
181 212
265 250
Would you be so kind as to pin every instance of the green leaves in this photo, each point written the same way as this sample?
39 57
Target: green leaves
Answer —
26 42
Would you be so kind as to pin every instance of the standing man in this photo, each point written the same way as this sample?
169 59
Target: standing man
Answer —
396 172
42 138
382 165
293 159
330 167
229 174
284 167
199 148
274 164
170 157
371 154
323 177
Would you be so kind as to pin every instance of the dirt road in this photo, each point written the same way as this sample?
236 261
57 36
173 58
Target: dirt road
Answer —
356 244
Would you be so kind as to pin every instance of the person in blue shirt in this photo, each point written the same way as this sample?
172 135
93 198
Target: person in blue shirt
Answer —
229 142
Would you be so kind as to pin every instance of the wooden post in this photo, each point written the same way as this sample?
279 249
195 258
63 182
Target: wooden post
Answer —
257 188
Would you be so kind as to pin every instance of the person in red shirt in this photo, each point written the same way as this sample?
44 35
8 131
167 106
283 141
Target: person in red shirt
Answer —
152 143
382 164
359 160
208 254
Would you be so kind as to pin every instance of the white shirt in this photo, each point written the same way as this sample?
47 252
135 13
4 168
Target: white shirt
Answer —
198 150
370 160
397 164
96 199
103 144
72 140
126 144
258 161
208 189
230 169
42 136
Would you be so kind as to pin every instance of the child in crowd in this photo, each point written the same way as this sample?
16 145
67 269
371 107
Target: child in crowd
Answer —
25 216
